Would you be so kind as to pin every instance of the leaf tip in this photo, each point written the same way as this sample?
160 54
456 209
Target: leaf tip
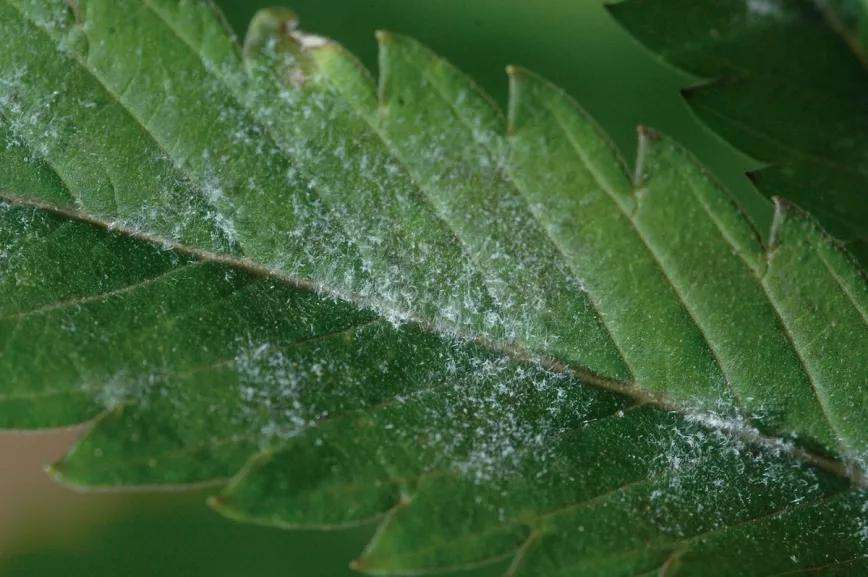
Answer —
54 471
222 504
647 138
688 92
58 473
218 502
273 19
267 24
384 37
612 6
783 210
647 133
516 78
518 74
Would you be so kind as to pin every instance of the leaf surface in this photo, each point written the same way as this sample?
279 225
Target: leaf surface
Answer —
779 83
850 19
390 303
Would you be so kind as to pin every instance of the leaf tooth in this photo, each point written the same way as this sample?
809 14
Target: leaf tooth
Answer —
517 78
659 156
269 30
346 73
388 44
813 315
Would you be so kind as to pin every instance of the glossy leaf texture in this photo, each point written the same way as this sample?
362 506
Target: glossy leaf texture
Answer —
391 304
781 84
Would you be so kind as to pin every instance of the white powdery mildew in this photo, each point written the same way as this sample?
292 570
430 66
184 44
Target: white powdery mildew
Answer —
712 470
309 40
357 193
862 527
220 207
534 294
313 240
270 385
22 122
765 8
53 16
160 205
738 427
272 390
489 424
125 386
321 238
10 107
494 418
11 245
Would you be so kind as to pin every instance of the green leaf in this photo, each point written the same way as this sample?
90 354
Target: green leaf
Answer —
391 304
781 85
850 19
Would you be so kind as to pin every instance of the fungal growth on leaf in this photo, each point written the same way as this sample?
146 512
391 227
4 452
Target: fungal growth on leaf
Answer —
343 300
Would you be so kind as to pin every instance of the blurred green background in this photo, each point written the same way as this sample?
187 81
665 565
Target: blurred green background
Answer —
46 529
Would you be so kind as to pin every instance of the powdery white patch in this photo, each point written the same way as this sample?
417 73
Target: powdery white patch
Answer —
277 388
739 427
486 430
490 418
220 206
862 528
765 8
10 246
270 388
712 471
53 16
309 41
346 204
160 206
23 122
124 387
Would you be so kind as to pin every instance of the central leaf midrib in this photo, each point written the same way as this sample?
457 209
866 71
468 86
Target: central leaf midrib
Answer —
435 326
683 543
423 187
268 128
376 305
517 353
676 291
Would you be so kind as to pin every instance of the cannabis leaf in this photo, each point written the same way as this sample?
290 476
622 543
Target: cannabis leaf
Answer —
389 304
850 19
782 86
